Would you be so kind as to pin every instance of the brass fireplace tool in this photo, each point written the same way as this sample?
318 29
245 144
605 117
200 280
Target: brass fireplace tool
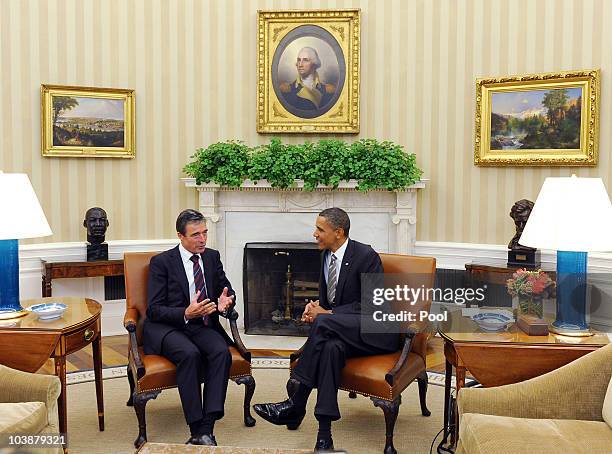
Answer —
289 292
296 292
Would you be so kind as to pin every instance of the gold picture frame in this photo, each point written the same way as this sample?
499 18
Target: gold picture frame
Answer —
320 93
547 119
87 122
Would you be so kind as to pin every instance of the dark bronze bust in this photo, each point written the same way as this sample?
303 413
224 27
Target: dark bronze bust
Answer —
96 223
520 212
520 255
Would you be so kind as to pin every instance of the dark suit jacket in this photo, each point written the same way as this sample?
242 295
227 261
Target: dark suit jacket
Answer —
358 259
290 93
168 295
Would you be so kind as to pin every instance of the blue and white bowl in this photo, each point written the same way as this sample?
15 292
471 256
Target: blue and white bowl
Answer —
48 311
490 321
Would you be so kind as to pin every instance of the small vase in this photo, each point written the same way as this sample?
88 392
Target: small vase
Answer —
530 305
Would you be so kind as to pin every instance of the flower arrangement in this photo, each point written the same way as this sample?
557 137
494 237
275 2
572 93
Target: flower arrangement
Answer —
531 287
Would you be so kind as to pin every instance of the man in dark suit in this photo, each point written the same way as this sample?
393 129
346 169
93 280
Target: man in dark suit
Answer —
336 332
187 290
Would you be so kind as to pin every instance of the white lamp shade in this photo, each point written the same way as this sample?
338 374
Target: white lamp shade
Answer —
21 216
570 214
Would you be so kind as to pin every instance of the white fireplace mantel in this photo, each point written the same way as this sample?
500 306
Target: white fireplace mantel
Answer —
257 212
217 202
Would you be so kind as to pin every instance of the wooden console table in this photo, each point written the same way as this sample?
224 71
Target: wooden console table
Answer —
497 271
494 274
71 270
27 343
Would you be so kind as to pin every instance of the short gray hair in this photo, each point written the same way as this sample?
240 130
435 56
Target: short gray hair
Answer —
338 218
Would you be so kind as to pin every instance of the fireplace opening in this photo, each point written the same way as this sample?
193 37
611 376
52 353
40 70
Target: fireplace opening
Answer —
278 281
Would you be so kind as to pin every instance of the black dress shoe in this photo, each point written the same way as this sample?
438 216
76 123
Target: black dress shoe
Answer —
324 445
204 440
284 413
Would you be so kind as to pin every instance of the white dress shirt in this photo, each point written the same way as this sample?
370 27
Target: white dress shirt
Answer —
339 256
188 264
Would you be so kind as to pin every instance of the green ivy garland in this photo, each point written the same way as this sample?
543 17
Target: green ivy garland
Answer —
375 165
224 163
280 164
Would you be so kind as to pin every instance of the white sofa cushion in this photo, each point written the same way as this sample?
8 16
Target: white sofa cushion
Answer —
492 434
23 417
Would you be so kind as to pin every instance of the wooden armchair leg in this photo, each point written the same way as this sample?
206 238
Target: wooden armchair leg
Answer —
130 402
140 402
390 410
423 380
249 388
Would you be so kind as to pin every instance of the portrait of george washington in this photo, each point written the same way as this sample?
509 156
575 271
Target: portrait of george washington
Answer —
308 71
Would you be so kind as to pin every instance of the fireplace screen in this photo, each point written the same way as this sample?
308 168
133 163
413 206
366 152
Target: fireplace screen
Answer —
278 281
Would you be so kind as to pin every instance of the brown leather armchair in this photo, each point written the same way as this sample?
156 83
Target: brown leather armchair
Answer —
150 374
382 378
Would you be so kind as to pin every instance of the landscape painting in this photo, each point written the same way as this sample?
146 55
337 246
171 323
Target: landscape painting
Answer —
546 119
536 119
87 122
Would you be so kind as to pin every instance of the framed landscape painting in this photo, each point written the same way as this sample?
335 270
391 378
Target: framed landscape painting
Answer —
87 122
308 71
549 119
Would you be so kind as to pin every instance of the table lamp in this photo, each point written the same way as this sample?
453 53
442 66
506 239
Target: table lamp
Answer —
21 216
572 216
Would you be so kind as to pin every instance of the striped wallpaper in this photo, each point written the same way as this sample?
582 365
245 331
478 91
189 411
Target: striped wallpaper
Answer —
192 64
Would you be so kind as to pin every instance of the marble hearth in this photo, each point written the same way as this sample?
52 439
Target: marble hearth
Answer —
260 213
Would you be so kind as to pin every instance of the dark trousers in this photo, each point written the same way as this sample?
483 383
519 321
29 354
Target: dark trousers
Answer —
333 338
199 353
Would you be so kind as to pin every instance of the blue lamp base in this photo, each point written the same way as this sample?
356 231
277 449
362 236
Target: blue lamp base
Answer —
571 294
9 280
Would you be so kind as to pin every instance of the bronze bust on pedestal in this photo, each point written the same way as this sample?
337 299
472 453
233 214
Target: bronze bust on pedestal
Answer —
520 255
96 223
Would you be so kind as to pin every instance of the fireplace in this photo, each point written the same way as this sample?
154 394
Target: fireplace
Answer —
257 212
278 281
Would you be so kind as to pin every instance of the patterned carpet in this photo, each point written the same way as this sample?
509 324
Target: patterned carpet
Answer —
360 431
82 376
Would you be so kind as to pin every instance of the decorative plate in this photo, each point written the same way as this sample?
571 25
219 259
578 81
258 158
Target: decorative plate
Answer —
48 311
490 321
10 314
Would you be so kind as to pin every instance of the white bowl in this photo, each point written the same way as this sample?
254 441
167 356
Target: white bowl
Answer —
48 311
490 321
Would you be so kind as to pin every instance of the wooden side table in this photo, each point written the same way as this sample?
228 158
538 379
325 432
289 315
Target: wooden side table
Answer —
65 270
29 342
503 357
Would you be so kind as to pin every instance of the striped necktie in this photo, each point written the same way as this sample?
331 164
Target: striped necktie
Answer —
200 283
332 280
